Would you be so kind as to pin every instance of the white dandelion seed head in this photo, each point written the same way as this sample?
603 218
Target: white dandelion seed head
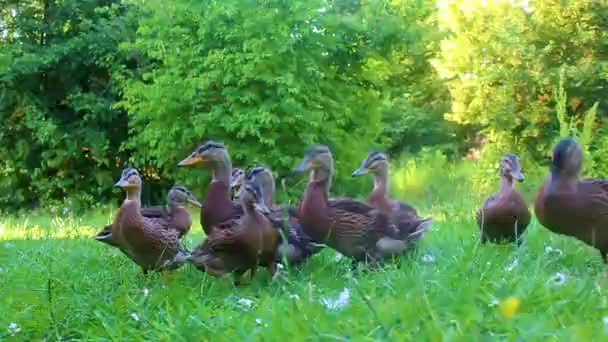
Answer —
146 292
135 316
428 258
551 250
245 303
337 303
558 279
13 329
513 265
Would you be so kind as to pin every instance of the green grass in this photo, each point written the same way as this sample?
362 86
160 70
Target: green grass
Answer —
58 283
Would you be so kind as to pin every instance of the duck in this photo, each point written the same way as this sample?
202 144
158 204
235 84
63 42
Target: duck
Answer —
217 207
242 244
570 206
175 213
236 180
147 241
403 215
504 216
295 246
352 228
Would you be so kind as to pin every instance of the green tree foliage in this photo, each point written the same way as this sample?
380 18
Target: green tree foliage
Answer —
267 78
502 64
59 135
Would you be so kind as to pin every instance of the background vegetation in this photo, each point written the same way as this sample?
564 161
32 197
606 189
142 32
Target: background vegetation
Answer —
87 87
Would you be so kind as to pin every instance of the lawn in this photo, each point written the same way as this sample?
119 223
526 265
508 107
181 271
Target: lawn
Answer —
58 283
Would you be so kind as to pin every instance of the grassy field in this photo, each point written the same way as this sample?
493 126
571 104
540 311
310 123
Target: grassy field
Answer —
58 283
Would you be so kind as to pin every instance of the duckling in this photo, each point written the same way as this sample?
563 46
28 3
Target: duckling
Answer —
297 247
243 243
352 228
147 241
571 206
175 213
504 216
217 206
403 215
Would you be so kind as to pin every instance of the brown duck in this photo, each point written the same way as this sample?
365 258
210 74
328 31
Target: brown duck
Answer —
147 241
175 213
504 216
571 206
403 215
241 244
297 247
352 228
217 206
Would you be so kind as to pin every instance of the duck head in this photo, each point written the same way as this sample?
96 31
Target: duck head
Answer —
510 167
262 176
251 198
375 163
567 158
316 158
207 154
130 181
180 196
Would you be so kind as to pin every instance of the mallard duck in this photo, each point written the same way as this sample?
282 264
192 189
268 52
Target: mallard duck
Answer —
354 229
175 213
571 206
236 180
243 243
297 247
403 215
147 241
217 206
504 216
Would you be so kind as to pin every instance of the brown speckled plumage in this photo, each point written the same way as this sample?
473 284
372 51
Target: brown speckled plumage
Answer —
149 242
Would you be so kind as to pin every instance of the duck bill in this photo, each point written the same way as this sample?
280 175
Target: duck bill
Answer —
360 172
518 176
191 160
122 183
194 202
303 166
262 208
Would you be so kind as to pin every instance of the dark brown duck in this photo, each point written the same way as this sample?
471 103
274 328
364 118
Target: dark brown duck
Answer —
217 205
403 215
571 206
504 216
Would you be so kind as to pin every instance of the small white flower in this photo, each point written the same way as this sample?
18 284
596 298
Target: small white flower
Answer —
245 303
494 302
428 258
338 257
259 321
513 265
558 279
13 329
551 250
53 210
135 316
280 266
338 303
66 210
294 296
146 292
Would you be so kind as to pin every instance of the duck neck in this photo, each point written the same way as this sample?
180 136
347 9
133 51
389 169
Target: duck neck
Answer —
380 183
322 176
222 171
561 182
134 195
506 184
